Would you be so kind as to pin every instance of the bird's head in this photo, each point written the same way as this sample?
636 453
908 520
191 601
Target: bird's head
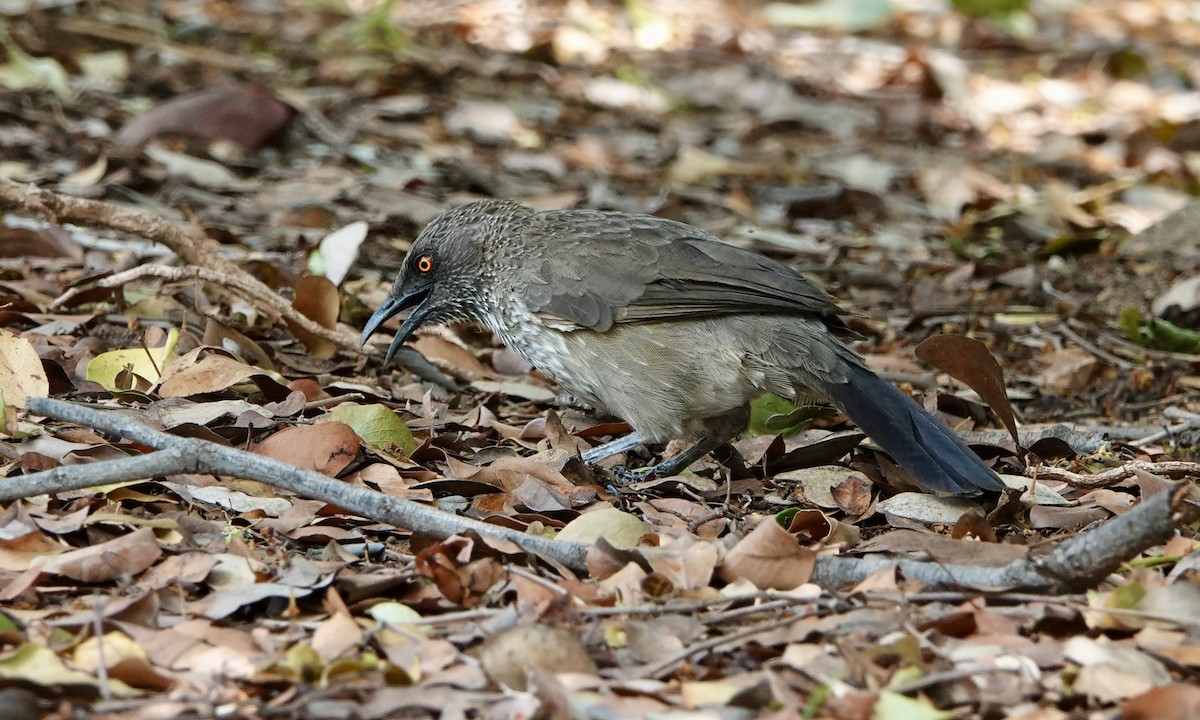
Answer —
444 274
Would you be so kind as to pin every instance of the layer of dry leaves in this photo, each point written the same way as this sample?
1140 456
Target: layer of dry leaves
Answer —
938 172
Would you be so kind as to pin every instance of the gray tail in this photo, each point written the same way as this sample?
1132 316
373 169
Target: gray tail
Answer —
937 459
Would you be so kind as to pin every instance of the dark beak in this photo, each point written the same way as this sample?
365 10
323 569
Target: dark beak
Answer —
393 306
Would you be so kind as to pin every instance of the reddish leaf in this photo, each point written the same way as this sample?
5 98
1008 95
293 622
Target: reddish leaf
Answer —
52 242
318 300
968 360
1168 702
248 115
327 447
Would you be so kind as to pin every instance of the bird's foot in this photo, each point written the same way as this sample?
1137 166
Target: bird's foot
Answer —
623 476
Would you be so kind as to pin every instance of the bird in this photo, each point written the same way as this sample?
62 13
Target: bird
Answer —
663 325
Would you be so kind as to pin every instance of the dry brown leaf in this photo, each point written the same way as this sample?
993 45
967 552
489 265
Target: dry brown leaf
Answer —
336 636
455 566
117 559
317 299
23 546
326 447
1067 372
212 373
944 549
853 495
685 563
969 360
508 657
51 242
450 357
248 115
1176 701
770 557
21 372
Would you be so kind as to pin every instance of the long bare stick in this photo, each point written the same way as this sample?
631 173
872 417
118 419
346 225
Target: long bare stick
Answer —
200 456
187 241
1073 565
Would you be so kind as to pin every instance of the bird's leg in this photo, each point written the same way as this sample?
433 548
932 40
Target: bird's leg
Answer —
713 432
670 466
679 463
666 468
614 447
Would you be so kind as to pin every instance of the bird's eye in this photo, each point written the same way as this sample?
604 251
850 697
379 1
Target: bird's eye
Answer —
425 263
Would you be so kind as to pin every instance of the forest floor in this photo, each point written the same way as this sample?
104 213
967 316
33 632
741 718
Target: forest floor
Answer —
205 200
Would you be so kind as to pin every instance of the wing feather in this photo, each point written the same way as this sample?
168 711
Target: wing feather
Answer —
647 269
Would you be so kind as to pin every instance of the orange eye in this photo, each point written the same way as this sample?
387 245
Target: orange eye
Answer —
425 263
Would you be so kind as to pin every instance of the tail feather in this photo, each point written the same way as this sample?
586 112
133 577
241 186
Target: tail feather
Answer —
937 459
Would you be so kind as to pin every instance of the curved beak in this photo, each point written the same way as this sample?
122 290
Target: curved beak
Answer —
393 306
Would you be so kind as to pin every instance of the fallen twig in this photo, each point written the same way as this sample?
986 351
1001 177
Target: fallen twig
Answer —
1073 565
187 241
1174 469
189 455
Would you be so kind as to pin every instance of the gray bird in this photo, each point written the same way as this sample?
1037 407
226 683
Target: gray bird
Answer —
663 325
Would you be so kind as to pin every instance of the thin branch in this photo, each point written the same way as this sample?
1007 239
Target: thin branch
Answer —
140 38
663 667
216 459
65 478
187 241
960 673
1073 565
1174 469
260 295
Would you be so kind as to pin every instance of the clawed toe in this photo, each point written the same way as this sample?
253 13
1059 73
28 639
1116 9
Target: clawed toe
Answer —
622 475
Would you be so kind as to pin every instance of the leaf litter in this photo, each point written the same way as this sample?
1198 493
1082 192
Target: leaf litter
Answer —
934 185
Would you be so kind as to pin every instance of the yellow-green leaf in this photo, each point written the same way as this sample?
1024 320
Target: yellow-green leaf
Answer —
378 426
620 529
41 665
894 706
142 362
25 72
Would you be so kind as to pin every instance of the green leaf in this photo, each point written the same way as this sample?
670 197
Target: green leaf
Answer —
393 613
41 665
894 706
8 626
1157 334
1130 320
989 8
1126 597
845 15
1078 244
1170 337
772 415
378 426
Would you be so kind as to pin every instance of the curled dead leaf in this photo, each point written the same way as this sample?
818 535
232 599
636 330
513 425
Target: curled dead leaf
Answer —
197 373
770 557
317 299
123 557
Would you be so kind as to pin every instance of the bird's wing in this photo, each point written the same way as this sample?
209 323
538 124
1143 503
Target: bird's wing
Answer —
607 268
